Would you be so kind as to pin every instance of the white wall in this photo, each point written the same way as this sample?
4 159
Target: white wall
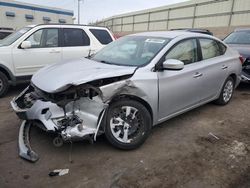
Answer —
20 21
194 13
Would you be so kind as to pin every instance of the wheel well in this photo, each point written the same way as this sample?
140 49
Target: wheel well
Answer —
5 72
138 99
233 76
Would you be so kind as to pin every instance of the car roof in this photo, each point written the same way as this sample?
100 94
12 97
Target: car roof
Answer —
190 29
6 28
242 29
196 30
73 25
6 31
169 34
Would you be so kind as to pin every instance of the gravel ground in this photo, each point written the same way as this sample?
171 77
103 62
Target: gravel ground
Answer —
206 147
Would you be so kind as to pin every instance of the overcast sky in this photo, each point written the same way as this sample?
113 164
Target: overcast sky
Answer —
92 10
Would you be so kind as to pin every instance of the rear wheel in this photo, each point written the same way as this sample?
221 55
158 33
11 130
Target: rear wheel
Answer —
226 92
4 84
128 124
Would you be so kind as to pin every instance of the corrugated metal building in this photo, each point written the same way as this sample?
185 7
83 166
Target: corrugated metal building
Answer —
220 16
15 14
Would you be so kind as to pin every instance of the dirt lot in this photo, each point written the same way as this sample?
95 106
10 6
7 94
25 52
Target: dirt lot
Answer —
178 153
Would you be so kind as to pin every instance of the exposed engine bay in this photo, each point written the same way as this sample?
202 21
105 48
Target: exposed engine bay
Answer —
74 114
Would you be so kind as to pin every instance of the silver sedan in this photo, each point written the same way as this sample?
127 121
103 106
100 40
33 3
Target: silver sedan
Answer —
129 86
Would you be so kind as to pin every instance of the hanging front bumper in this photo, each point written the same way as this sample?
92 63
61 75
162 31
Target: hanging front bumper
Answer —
25 150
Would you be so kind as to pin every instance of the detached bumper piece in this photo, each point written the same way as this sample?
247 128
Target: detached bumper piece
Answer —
25 150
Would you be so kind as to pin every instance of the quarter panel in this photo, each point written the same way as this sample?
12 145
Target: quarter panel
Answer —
6 60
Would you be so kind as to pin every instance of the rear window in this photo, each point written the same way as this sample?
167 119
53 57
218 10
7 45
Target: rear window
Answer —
75 37
240 37
102 36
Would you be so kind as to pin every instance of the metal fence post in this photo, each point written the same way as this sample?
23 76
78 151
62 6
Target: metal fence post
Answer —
194 15
231 13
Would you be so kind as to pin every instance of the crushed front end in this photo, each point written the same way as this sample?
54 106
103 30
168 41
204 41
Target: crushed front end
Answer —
73 114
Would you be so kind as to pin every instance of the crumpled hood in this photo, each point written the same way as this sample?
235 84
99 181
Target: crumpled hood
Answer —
60 76
244 50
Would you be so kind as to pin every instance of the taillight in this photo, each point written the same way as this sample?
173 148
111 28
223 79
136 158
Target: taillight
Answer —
242 59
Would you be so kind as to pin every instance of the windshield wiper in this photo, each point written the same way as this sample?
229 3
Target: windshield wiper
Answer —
110 63
106 62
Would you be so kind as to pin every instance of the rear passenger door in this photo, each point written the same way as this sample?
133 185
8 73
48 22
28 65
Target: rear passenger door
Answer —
214 67
76 44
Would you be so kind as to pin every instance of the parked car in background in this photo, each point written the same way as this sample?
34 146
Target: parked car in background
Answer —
117 36
195 30
240 40
132 84
4 32
33 47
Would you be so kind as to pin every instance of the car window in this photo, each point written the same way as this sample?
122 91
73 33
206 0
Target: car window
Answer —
75 37
44 38
4 34
223 48
240 37
51 38
101 35
14 36
35 39
185 51
209 48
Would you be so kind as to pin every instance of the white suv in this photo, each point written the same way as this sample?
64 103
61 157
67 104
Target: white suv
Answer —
33 47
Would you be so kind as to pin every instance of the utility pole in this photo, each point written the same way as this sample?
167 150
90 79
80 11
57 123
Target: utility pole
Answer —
78 11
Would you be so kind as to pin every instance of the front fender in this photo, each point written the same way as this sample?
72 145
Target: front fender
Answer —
7 71
127 88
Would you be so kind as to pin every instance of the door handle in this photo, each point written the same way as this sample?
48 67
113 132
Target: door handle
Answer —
54 51
224 67
197 75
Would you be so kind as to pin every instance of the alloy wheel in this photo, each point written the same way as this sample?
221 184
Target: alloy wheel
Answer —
126 124
228 90
1 84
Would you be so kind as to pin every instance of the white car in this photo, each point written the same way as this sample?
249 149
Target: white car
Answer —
33 47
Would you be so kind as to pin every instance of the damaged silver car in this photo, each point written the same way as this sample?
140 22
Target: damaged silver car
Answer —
129 86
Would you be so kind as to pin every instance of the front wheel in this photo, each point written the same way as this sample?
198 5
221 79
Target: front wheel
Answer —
128 124
226 92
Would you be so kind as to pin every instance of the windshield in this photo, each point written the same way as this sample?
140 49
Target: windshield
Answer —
240 37
14 36
131 50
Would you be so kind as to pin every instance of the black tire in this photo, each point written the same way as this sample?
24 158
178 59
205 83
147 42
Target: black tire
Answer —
138 124
4 84
222 100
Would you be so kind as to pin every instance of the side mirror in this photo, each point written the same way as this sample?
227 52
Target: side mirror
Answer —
173 64
26 45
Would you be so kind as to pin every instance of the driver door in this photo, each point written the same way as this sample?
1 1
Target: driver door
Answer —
45 50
